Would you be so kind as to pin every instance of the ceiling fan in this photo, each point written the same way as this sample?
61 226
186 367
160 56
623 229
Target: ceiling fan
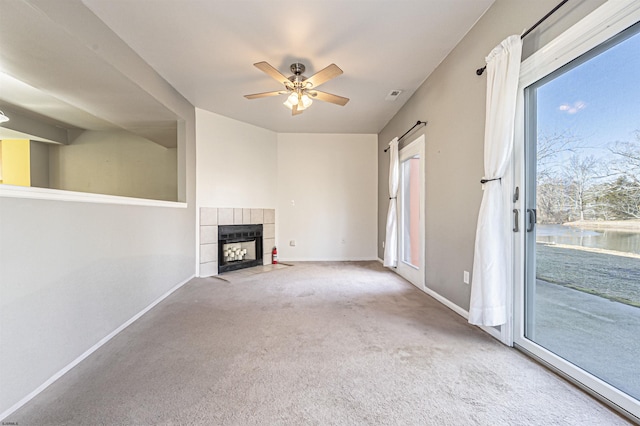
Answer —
301 90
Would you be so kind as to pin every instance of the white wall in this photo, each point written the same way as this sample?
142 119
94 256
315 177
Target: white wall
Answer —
327 196
332 179
236 163
115 162
73 272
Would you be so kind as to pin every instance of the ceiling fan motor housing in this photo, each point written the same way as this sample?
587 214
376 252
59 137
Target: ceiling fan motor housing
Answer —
297 68
297 78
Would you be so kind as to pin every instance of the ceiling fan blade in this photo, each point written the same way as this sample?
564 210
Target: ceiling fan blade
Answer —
264 94
296 111
272 72
324 75
328 97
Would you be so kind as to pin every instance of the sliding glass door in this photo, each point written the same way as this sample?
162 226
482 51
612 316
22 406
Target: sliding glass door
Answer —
580 298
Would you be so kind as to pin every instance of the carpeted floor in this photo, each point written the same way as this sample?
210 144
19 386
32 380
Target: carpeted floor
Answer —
312 344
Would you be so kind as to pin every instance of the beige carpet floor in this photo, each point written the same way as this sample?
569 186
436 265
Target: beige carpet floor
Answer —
311 344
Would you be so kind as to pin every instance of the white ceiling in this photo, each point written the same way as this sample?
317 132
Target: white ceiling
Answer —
206 48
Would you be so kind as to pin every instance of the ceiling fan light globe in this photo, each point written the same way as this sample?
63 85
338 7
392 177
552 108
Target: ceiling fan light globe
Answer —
288 104
306 101
293 99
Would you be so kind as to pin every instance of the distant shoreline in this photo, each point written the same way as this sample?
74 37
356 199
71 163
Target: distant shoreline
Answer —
614 225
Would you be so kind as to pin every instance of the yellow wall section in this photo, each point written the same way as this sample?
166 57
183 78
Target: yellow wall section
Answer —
15 157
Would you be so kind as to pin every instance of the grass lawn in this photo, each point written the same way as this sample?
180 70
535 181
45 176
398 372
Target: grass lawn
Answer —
613 277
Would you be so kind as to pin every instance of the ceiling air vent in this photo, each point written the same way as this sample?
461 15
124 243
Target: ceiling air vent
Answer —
393 95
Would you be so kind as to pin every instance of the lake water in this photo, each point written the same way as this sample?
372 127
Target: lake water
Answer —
624 241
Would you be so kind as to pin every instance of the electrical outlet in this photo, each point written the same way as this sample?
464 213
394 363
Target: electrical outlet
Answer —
292 243
465 277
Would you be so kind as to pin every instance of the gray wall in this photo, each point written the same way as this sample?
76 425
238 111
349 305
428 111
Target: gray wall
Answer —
71 272
115 162
39 156
452 100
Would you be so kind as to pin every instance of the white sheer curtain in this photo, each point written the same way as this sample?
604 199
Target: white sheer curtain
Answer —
391 238
488 305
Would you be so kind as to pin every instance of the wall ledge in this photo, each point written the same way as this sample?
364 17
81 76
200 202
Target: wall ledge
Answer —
12 191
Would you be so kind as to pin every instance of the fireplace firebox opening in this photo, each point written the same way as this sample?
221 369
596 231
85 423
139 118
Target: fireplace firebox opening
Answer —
239 246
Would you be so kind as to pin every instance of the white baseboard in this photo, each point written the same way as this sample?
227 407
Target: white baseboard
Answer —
446 302
381 261
88 352
465 314
321 259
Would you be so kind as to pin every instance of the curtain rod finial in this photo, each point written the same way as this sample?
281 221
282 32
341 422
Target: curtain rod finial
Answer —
480 71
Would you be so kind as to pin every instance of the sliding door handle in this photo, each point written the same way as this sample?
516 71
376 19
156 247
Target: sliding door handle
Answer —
516 219
531 218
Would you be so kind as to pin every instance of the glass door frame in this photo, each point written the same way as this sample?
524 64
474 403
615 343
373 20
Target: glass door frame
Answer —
598 27
413 273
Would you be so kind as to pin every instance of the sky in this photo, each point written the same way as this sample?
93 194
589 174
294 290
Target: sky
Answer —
598 101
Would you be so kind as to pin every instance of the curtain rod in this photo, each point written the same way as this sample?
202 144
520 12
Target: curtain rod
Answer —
480 71
408 131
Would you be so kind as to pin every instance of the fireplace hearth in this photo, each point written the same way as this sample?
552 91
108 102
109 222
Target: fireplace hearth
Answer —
239 246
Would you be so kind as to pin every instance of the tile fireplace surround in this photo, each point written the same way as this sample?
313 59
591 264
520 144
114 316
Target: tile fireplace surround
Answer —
211 217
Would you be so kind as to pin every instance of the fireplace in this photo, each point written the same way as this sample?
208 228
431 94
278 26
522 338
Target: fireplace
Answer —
239 246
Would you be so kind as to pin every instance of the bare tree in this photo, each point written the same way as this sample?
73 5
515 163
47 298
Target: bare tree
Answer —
548 150
623 194
581 173
622 198
580 187
552 199
628 162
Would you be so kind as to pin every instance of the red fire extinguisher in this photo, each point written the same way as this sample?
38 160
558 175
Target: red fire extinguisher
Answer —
274 256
